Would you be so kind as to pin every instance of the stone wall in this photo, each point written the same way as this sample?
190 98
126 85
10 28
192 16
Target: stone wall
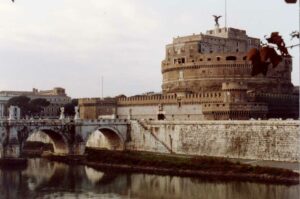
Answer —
1 110
171 112
262 140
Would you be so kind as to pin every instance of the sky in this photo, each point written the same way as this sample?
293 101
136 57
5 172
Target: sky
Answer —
73 43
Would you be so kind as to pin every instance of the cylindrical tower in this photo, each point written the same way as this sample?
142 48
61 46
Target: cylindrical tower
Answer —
202 62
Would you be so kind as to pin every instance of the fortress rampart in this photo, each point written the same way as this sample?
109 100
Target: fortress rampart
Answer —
260 140
197 98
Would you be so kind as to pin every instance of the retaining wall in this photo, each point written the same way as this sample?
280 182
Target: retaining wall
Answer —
259 140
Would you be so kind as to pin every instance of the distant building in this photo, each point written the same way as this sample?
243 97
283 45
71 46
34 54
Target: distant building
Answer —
208 77
3 101
57 98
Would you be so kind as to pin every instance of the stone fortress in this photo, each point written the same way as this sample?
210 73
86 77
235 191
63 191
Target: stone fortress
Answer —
208 77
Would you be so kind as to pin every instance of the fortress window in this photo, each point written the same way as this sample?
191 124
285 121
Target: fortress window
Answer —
199 48
218 58
201 59
179 104
179 61
231 58
211 51
161 117
208 59
245 57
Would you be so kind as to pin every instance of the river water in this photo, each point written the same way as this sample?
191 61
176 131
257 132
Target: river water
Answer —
44 179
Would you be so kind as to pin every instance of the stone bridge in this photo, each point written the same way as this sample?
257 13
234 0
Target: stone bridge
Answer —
68 136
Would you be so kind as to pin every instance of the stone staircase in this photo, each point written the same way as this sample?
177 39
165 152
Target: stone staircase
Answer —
146 127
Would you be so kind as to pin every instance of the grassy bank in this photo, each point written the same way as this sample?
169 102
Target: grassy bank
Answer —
206 167
34 149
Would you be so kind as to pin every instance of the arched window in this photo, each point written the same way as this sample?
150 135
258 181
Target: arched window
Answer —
231 58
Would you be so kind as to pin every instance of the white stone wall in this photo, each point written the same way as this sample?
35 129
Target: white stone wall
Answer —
1 110
172 112
262 140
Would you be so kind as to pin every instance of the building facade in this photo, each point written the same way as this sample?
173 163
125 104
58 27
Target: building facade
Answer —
208 77
57 98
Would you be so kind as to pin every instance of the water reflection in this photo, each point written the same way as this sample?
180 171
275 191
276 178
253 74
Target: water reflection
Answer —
44 179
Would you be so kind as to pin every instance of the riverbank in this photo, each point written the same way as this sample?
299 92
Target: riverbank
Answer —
33 149
13 163
209 168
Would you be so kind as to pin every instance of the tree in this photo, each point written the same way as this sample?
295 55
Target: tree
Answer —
21 102
28 107
70 107
36 106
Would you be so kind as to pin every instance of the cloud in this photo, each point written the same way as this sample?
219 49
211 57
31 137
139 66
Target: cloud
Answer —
71 43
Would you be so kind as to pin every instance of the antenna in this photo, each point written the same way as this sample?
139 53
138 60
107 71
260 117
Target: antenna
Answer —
225 13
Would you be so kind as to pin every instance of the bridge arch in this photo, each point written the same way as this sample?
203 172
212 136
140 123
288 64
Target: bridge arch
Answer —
59 142
106 137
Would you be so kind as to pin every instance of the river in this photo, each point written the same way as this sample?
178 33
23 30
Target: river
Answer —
44 179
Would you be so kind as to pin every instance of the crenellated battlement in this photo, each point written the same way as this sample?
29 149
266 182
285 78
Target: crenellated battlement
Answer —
192 98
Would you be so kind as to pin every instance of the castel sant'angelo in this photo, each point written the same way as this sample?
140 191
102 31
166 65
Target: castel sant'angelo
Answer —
221 75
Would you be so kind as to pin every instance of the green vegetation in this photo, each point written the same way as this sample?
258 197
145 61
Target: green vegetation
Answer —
29 107
210 167
35 145
36 149
70 107
206 168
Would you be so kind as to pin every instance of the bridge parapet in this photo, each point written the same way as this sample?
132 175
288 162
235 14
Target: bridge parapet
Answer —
105 121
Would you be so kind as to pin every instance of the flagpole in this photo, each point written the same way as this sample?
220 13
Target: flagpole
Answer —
225 13
102 87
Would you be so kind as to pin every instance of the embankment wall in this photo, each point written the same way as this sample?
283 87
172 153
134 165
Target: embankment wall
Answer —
254 139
